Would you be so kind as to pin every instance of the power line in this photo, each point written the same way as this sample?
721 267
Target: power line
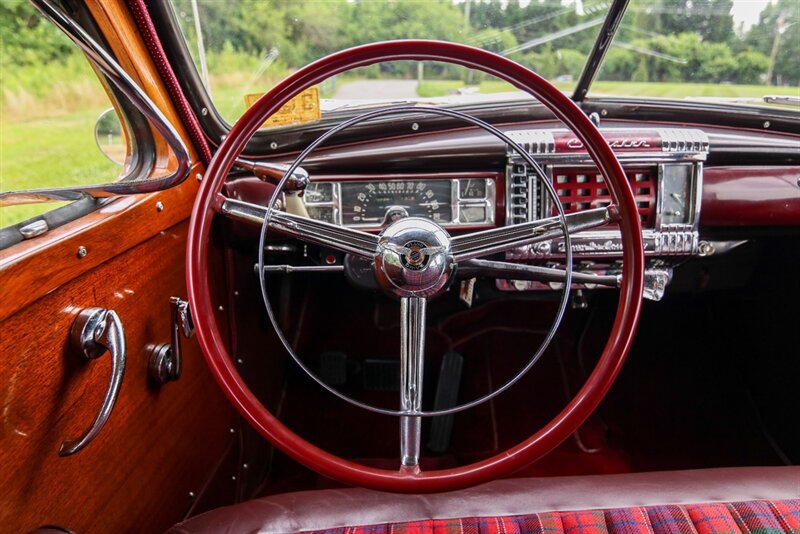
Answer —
648 52
553 36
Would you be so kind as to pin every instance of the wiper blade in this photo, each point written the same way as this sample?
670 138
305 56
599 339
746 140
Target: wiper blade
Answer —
367 104
786 100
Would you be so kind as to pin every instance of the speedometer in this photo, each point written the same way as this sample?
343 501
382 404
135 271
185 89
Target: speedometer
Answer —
367 203
450 200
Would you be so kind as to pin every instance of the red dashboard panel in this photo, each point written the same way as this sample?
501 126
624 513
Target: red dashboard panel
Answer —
750 196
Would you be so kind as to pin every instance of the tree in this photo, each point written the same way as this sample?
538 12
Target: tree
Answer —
751 67
710 19
783 19
619 65
28 39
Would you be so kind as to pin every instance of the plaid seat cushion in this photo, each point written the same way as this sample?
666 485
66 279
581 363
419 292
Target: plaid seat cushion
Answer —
755 517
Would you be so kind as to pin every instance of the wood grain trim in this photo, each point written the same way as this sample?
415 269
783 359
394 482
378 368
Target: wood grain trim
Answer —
38 266
155 449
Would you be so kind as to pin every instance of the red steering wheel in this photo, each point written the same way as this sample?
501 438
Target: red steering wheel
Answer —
413 480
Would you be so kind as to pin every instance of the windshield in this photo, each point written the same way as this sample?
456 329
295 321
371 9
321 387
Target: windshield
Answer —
732 50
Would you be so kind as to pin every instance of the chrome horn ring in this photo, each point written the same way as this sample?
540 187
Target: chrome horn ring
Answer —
399 250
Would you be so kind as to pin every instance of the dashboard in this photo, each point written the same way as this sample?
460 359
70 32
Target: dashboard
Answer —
665 166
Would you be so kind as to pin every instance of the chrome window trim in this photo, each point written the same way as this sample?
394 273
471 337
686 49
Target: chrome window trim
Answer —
129 183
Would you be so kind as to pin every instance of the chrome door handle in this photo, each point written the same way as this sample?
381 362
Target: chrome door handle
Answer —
95 332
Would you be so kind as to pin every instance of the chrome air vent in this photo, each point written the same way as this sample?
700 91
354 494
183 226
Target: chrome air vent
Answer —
519 187
673 140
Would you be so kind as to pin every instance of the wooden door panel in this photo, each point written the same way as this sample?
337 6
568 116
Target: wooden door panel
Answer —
160 443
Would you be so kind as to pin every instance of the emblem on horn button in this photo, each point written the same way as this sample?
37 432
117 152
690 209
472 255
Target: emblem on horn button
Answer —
413 258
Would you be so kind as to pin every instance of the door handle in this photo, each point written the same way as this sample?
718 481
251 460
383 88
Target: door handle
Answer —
95 332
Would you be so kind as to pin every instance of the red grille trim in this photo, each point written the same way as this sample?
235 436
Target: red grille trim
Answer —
582 189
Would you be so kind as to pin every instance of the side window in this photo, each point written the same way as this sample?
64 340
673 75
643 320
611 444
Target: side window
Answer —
51 102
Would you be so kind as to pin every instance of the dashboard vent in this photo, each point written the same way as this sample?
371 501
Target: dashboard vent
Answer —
517 206
519 185
683 140
582 189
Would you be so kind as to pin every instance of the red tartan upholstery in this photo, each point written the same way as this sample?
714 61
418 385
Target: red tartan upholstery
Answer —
756 500
762 517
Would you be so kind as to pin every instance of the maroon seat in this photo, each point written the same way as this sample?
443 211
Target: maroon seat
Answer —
750 499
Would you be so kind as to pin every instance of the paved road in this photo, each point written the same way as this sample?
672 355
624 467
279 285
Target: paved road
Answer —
377 89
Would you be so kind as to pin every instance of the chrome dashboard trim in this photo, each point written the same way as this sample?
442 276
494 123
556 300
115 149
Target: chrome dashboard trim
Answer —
666 243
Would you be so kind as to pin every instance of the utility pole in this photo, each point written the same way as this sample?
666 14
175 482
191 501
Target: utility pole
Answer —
779 29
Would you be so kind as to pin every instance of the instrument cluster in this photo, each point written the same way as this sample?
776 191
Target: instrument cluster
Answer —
449 200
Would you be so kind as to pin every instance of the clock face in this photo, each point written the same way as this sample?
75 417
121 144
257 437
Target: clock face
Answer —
676 195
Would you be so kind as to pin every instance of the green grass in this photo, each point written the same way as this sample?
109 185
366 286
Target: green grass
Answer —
430 88
51 152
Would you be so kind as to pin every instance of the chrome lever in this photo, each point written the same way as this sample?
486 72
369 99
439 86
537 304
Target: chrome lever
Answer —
166 359
274 172
95 332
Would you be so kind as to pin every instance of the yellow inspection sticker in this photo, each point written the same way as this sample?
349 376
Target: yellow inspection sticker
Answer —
302 108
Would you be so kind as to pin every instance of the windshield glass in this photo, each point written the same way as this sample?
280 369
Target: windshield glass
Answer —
734 50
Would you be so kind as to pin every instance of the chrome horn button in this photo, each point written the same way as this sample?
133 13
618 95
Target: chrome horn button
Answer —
413 258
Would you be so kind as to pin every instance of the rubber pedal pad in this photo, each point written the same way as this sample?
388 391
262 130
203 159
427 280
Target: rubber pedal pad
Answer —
446 397
333 368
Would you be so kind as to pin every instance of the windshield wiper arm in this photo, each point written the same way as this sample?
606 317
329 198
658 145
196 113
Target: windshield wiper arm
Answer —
787 100
601 45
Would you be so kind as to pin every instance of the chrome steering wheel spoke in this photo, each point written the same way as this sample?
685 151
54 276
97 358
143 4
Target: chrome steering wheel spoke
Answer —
504 238
305 229
412 359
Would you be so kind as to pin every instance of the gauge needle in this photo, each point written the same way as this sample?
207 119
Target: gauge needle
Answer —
677 196
466 189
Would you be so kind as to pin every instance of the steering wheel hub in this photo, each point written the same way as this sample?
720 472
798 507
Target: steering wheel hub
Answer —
413 258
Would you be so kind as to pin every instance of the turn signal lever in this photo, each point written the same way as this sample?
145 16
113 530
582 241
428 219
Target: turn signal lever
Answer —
274 172
294 187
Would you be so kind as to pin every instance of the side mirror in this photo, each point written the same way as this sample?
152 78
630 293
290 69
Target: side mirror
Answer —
108 136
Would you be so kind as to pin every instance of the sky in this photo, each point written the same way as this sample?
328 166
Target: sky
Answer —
747 11
743 11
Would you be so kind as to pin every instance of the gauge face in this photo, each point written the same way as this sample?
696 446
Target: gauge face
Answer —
380 203
472 188
317 192
322 213
675 194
